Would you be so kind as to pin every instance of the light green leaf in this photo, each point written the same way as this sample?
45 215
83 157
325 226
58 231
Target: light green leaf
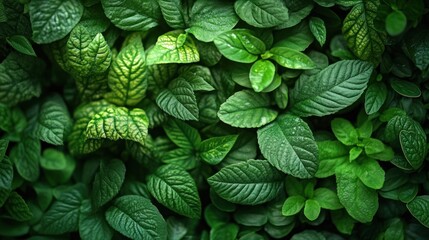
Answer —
127 76
6 173
262 74
210 18
251 182
239 45
358 28
179 100
331 155
373 146
63 215
26 156
396 22
289 145
247 109
21 44
18 208
311 209
175 13
45 18
344 131
119 123
317 27
214 150
53 159
107 182
293 205
132 15
78 142
327 199
281 95
290 58
354 153
370 173
332 89
93 225
137 218
173 47
375 96
175 188
419 208
262 13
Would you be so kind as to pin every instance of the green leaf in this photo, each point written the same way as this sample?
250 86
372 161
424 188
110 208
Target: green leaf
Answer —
247 109
289 145
297 38
26 156
317 27
132 15
173 47
253 217
239 45
92 224
251 182
414 147
179 100
331 155
344 131
127 76
358 28
182 157
175 188
87 55
405 88
373 146
311 209
262 13
63 215
332 89
360 201
396 22
419 209
327 199
6 173
417 45
375 96
45 17
107 182
293 205
198 76
227 231
17 208
175 13
78 142
53 159
21 44
4 194
214 150
281 96
137 218
4 143
370 173
354 153
119 123
262 74
343 221
210 18
290 58
182 134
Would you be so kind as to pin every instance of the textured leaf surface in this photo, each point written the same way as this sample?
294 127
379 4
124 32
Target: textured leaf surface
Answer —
414 147
262 13
419 208
252 182
332 89
137 218
247 109
107 182
92 224
26 157
182 134
6 173
375 96
175 188
53 20
174 12
317 27
291 58
119 123
289 145
17 208
214 150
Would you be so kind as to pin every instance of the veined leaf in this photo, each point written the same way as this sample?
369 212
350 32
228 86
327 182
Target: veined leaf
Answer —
262 13
332 89
375 96
132 15
93 224
344 131
262 74
198 76
119 123
175 13
370 173
173 47
21 44
214 150
179 100
158 76
18 208
289 145
317 27
209 18
247 109
127 77
290 58
4 143
175 188
137 218
252 182
419 209
358 28
6 173
414 147
182 134
53 20
26 156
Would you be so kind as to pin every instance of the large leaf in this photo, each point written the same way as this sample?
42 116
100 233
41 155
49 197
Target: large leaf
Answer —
175 188
365 41
419 208
289 145
127 76
209 18
26 156
107 182
214 150
251 182
173 47
137 218
179 100
119 123
182 134
332 89
53 20
132 15
262 13
247 109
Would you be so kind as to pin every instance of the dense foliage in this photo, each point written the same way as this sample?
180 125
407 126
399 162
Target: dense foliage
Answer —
214 119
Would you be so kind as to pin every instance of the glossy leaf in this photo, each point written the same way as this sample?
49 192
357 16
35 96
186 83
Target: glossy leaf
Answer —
214 150
21 44
262 13
290 58
375 96
262 74
419 209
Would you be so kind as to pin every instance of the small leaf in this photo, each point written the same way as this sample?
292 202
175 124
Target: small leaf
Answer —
327 199
405 88
317 27
311 209
252 182
214 150
17 208
198 76
53 159
26 156
247 109
331 155
6 174
262 74
414 147
290 58
396 22
419 208
21 44
261 13
344 131
174 188
375 96
293 205
4 143
137 218
182 134
370 173
175 13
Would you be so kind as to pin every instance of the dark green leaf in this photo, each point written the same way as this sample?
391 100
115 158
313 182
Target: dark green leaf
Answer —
375 96
21 44
17 208
405 88
262 13
317 27
26 156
